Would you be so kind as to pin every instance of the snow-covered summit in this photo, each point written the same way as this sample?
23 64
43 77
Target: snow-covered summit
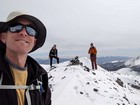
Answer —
133 62
74 85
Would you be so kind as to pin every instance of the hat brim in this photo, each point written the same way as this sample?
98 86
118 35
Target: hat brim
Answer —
40 28
2 45
2 24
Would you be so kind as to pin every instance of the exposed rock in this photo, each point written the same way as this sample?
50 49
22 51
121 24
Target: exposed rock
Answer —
120 82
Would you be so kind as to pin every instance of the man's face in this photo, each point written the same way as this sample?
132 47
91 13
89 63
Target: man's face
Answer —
19 42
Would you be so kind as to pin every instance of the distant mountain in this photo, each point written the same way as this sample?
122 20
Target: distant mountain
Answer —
47 61
108 59
113 66
75 85
100 60
131 64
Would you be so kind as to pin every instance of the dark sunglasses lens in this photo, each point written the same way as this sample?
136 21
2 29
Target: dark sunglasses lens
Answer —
31 31
18 27
15 28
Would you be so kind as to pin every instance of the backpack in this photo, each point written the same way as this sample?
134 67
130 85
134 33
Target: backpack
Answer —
92 50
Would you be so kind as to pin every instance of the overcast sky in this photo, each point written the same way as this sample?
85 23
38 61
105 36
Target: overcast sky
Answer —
112 25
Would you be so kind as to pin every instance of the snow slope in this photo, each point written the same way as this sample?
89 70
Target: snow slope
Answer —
74 85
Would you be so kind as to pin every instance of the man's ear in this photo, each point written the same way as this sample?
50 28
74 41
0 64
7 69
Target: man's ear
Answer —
3 37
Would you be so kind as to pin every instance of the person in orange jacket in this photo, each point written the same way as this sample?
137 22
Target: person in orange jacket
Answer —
93 52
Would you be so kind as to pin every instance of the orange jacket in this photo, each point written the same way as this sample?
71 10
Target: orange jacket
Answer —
92 50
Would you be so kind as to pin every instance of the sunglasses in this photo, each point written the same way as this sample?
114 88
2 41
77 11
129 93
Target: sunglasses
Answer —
17 27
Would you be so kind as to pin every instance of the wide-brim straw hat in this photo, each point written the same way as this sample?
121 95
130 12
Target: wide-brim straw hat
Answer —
41 29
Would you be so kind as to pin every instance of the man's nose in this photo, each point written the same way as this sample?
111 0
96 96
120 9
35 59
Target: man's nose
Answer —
23 32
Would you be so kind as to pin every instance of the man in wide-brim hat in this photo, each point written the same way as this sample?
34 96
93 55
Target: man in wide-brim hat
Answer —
14 16
22 80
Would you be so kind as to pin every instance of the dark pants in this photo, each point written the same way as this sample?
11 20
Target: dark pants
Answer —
93 61
51 58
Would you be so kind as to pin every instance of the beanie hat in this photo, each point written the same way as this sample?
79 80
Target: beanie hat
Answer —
14 16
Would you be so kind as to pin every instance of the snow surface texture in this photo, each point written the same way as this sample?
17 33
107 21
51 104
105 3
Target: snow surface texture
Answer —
74 85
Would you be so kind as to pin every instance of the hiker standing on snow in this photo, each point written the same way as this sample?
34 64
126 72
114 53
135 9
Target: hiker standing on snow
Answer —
53 54
93 52
22 80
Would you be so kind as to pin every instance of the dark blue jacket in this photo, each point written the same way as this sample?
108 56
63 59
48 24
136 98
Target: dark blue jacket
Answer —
53 53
